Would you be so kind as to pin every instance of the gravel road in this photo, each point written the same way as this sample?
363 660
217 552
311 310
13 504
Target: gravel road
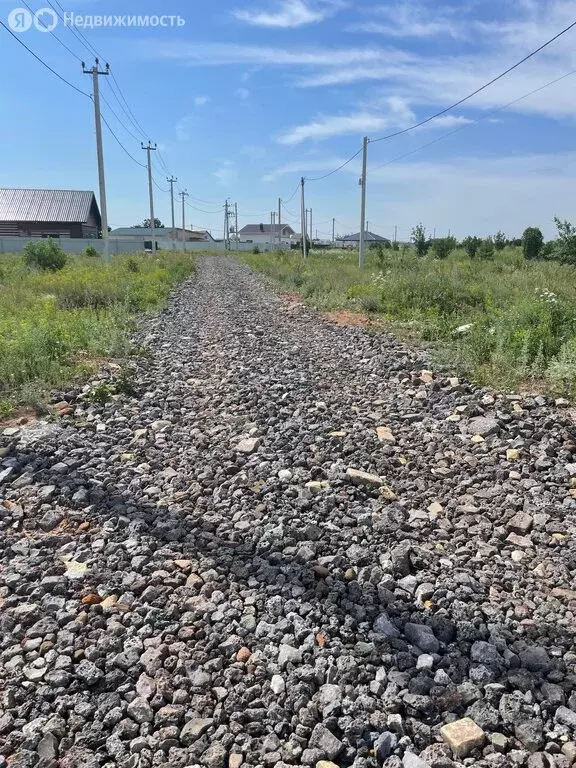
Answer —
295 545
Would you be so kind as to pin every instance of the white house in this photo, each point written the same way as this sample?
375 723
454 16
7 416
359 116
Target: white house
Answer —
266 234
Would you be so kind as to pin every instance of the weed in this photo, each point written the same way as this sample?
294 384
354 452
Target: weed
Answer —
45 255
91 252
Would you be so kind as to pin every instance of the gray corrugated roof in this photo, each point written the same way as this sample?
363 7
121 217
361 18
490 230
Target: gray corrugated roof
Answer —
261 229
45 205
368 236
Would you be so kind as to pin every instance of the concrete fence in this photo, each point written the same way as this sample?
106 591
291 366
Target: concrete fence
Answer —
122 245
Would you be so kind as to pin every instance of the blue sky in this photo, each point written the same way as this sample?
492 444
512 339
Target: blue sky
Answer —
248 96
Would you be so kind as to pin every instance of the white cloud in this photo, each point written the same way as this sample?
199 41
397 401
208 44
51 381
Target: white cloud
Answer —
242 93
182 127
334 125
411 19
398 115
199 101
290 13
226 172
303 166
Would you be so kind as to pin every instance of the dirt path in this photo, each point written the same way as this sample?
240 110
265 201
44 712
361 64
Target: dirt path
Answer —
194 576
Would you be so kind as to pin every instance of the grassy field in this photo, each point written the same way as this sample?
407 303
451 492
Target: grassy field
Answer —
522 315
53 324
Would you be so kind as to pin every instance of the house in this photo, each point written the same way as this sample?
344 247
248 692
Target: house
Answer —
353 241
49 213
264 234
161 234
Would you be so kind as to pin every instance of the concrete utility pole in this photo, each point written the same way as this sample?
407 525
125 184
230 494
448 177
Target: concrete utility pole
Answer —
395 233
279 224
363 203
303 218
311 230
333 223
226 227
272 228
236 224
183 195
172 181
149 149
95 72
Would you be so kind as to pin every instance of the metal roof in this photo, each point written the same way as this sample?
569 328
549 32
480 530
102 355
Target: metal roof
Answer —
261 229
45 205
159 232
368 237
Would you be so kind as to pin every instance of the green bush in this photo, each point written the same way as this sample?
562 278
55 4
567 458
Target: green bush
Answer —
91 252
255 250
443 247
471 245
486 249
532 242
500 241
421 242
46 255
565 249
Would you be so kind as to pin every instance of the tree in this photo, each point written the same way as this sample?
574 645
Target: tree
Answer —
443 247
146 224
471 245
565 249
499 241
421 242
532 242
486 249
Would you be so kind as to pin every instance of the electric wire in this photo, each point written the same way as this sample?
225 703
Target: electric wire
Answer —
345 163
473 122
44 64
142 165
478 90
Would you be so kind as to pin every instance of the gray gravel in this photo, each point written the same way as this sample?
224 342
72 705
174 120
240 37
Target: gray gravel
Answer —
194 576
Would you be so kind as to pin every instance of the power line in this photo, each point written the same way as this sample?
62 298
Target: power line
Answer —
47 66
142 165
105 100
133 117
473 122
292 195
62 43
77 34
319 178
201 210
478 90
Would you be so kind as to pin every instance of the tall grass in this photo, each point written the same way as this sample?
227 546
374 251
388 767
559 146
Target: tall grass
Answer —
522 315
51 323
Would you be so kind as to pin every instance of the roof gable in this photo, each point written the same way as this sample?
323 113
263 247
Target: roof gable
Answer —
265 229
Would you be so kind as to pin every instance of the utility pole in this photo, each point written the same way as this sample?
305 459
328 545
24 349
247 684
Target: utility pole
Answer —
279 224
149 149
183 195
226 224
236 224
303 217
333 223
95 72
272 227
395 233
363 202
172 181
311 230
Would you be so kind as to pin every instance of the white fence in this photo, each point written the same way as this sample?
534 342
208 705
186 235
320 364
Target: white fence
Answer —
122 245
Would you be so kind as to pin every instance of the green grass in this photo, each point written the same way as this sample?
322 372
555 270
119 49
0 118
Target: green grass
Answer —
522 314
52 324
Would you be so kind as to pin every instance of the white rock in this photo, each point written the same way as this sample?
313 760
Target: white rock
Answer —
277 684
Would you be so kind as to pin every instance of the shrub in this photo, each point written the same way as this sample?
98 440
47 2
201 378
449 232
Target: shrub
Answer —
132 265
532 242
421 242
566 244
255 250
443 247
549 251
486 249
499 241
46 255
91 252
471 245
378 249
